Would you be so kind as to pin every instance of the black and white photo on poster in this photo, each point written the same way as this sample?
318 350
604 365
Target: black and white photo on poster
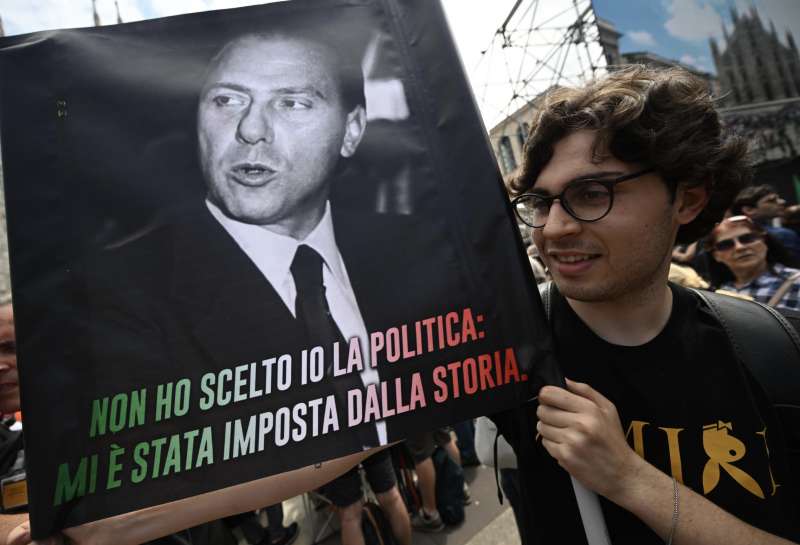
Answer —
247 241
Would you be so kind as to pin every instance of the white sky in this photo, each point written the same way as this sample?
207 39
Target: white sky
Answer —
473 23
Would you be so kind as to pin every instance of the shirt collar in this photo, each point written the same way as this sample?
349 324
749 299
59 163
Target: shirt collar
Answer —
774 272
323 240
273 253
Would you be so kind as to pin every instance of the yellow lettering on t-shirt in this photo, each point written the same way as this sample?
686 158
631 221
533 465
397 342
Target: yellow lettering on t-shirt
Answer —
674 452
723 449
636 426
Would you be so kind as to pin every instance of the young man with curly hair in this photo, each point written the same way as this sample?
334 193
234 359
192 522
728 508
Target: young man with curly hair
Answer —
656 417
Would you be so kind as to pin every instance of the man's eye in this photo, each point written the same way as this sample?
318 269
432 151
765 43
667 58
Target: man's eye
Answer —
293 104
228 100
592 192
540 205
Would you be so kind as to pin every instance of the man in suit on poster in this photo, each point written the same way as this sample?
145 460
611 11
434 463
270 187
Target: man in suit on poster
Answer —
266 265
276 114
274 119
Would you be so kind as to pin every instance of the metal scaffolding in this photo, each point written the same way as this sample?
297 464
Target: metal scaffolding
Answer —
540 44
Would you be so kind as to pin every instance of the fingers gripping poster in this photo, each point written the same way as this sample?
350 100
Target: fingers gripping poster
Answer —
247 241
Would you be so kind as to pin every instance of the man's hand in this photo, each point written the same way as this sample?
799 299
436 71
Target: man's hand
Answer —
21 535
682 255
581 429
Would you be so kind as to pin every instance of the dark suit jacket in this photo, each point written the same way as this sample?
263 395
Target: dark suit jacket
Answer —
183 300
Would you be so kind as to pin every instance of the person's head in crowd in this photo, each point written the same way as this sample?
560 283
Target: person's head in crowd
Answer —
277 112
742 250
9 380
616 171
760 202
791 217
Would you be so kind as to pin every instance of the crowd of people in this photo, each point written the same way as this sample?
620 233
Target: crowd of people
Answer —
657 414
749 254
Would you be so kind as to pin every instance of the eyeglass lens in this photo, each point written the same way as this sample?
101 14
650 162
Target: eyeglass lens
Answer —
728 244
587 200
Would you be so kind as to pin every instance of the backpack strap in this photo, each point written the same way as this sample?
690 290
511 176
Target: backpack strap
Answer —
764 342
781 291
594 523
496 469
545 290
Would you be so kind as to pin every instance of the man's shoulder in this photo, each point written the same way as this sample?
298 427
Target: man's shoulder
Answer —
785 235
374 226
782 230
174 242
409 245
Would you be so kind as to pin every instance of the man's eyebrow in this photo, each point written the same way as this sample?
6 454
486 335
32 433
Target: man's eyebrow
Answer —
599 174
228 85
298 90
301 90
583 177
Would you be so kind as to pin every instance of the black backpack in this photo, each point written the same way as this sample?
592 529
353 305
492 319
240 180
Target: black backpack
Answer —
449 487
767 347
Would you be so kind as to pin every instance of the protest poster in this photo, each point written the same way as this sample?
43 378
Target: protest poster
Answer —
250 240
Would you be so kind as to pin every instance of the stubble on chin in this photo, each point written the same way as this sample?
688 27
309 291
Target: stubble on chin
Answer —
645 270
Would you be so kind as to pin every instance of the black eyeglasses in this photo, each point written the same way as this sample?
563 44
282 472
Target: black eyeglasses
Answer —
585 200
744 240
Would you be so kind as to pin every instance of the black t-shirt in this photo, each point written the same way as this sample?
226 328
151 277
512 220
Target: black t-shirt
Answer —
685 405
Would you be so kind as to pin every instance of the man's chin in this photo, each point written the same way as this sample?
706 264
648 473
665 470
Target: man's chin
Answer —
247 214
584 291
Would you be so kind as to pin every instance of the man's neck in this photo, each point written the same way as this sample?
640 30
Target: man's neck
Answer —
631 320
299 226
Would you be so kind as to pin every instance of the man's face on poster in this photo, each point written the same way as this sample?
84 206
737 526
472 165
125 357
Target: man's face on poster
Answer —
271 127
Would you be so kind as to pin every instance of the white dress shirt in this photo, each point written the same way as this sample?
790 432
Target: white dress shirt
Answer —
273 254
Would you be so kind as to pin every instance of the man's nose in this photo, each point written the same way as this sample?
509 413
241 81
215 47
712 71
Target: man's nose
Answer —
559 223
255 126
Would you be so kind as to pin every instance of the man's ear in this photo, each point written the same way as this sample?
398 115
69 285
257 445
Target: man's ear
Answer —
690 201
354 129
748 210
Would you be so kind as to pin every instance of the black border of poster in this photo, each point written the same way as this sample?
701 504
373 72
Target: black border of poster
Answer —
42 182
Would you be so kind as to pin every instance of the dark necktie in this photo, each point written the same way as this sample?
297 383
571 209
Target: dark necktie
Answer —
311 305
311 310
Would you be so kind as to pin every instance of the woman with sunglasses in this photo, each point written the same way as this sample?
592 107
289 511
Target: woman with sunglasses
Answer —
749 261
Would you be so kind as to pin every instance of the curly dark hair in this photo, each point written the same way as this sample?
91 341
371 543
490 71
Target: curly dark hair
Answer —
664 118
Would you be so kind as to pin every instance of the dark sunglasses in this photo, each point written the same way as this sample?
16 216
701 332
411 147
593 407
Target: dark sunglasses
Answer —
744 240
